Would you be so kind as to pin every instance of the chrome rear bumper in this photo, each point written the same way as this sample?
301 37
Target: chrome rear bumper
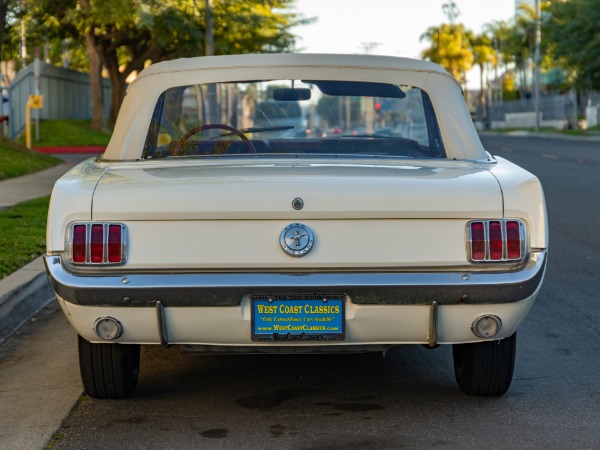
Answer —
363 288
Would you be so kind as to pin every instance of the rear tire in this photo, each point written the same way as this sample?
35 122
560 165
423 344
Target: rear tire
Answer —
485 368
108 370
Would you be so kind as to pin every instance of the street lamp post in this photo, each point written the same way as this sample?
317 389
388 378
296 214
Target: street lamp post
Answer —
537 60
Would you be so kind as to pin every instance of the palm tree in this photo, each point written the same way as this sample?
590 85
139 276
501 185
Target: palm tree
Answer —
500 33
484 56
450 47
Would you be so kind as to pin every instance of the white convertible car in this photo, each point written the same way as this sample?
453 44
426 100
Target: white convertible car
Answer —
296 203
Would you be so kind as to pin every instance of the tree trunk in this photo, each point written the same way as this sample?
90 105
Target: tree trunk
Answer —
118 78
481 86
117 82
95 59
3 23
481 98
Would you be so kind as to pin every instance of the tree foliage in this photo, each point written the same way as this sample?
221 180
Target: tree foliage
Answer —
450 47
125 35
573 33
450 44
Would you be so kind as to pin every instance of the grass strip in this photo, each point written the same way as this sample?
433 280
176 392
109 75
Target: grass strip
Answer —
59 133
23 236
16 160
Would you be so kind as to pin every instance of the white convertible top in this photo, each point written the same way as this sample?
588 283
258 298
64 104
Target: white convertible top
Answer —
460 138
292 59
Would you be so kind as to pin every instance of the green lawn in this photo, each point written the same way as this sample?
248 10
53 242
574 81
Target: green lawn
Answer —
23 236
16 160
23 226
55 133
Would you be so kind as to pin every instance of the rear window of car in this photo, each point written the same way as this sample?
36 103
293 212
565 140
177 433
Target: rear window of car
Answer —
294 118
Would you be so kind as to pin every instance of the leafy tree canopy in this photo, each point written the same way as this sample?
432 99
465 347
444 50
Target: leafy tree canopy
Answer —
573 33
450 47
128 34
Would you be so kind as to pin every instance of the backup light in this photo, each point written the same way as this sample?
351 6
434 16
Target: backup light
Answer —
108 328
97 243
486 326
495 240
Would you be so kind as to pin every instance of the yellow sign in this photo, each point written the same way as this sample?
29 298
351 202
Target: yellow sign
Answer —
33 102
36 101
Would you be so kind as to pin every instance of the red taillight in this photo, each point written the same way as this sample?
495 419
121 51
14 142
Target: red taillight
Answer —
98 243
513 240
477 241
496 240
79 243
114 244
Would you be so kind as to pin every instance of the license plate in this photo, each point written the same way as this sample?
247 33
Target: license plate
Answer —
293 318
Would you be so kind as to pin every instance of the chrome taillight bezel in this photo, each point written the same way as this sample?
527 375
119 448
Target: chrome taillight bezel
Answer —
88 232
524 250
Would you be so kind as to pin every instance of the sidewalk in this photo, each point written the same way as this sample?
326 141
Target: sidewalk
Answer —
33 185
39 373
26 291
39 380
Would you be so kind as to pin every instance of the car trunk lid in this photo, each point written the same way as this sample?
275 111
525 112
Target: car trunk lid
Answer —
230 217
267 191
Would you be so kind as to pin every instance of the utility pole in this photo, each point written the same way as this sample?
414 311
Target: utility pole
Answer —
209 42
537 59
23 52
209 50
36 85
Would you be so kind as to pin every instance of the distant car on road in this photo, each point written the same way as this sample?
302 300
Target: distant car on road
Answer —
286 117
211 224
5 104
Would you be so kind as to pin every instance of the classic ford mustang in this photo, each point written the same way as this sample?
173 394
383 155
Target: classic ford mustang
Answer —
296 203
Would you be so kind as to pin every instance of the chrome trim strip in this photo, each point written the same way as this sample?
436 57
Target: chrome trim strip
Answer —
227 289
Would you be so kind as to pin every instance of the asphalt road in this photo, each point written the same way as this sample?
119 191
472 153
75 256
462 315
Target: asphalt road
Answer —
408 399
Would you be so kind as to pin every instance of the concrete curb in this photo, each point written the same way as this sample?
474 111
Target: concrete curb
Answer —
564 137
26 291
63 150
22 295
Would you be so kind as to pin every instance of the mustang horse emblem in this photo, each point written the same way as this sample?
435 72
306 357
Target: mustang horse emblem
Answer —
296 236
296 239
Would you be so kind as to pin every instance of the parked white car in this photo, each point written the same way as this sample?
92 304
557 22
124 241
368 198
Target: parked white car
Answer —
201 227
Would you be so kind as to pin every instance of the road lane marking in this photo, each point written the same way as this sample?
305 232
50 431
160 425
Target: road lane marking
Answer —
547 156
507 149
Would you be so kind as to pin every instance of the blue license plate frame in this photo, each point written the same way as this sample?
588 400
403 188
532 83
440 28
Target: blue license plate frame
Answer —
298 318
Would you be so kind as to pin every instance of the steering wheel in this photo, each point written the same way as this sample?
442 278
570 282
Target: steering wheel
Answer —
220 126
